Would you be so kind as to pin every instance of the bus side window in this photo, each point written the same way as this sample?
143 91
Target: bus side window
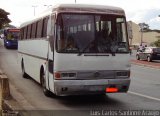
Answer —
44 30
39 28
29 32
34 30
22 34
25 33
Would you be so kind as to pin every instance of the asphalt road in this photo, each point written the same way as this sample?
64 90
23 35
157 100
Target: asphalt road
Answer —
144 92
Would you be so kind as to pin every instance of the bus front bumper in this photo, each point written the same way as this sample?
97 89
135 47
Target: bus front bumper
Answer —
83 87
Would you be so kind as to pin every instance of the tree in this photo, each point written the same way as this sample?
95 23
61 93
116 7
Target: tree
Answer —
157 43
143 27
4 20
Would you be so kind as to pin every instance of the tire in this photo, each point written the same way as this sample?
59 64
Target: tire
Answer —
149 59
7 47
24 74
137 57
43 82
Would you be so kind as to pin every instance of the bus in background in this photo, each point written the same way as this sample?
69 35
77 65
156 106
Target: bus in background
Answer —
76 49
11 36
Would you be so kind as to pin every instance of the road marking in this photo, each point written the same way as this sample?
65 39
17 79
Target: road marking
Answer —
146 96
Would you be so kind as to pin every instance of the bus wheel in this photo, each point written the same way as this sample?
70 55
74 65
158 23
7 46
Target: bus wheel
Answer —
23 70
43 82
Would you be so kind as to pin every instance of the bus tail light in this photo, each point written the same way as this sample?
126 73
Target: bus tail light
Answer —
111 90
57 75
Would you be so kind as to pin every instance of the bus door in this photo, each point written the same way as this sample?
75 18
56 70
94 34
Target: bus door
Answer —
50 54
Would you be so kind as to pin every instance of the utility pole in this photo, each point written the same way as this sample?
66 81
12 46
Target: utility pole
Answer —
75 1
141 36
141 25
34 7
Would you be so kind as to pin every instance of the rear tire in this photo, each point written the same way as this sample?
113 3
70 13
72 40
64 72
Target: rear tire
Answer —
24 74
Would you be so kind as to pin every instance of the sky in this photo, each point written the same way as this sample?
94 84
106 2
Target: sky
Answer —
138 11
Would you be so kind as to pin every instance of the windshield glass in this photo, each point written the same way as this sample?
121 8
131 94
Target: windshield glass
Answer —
12 34
89 33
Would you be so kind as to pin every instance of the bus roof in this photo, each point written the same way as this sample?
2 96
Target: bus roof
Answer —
83 8
78 8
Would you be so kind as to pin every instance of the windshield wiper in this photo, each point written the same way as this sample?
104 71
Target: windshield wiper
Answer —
88 45
80 52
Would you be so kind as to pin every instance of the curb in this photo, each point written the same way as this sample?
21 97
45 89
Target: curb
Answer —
8 105
145 65
9 98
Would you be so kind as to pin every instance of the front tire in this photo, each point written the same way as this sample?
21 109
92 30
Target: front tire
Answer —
43 82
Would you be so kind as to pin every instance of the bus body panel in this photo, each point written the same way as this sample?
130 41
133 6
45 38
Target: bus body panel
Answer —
34 55
37 48
85 68
64 62
81 87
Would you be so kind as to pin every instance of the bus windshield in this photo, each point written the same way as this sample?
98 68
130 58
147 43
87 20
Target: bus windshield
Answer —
91 33
12 34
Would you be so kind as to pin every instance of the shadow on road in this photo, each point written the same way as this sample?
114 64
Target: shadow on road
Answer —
90 101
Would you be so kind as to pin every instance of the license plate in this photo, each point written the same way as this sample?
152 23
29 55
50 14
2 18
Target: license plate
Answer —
96 88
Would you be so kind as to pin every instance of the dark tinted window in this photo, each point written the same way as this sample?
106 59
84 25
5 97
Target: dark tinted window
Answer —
25 33
39 28
34 30
29 32
22 33
45 21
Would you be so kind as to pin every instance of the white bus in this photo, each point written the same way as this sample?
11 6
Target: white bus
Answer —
76 49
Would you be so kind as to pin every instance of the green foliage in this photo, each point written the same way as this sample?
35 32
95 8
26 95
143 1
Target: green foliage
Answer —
4 20
143 26
157 43
152 44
